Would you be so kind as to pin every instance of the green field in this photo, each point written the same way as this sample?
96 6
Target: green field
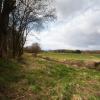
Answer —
71 56
39 79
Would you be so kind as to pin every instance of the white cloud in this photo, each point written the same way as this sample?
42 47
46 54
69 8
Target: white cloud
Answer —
78 26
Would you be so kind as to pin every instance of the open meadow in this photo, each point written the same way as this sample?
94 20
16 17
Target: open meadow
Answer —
32 78
49 49
72 56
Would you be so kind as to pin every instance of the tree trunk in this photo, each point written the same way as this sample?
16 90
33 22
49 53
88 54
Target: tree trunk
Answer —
6 7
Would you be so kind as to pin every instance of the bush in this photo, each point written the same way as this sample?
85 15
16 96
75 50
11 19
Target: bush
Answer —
34 48
78 51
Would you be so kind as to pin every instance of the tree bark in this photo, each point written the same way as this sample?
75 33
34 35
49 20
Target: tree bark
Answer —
6 7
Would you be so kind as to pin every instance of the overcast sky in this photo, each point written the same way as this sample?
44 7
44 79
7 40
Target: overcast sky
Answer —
77 26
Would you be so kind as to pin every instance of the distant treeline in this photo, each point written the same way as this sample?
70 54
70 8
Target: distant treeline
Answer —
74 51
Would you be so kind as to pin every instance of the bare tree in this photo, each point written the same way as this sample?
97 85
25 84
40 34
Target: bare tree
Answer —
15 23
34 49
28 13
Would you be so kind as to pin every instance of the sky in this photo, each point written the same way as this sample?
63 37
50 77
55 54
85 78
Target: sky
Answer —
77 27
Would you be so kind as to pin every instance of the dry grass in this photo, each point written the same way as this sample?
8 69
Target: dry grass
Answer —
39 79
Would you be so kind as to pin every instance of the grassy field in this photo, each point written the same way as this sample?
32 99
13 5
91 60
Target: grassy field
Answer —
71 56
38 79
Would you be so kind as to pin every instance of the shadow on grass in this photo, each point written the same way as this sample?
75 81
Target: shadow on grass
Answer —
9 74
